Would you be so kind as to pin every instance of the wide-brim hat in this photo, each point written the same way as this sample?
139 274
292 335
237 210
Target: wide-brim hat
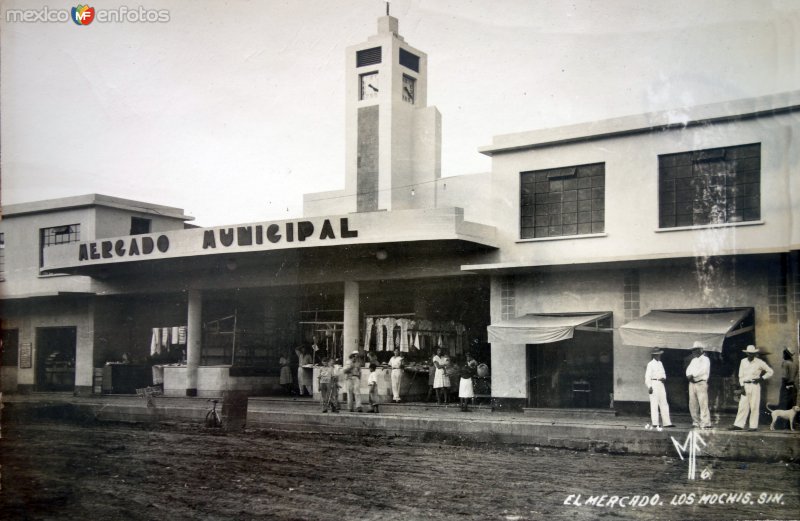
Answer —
657 351
698 345
351 355
751 350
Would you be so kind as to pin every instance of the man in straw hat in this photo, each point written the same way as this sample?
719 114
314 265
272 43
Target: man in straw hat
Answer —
752 371
654 378
697 372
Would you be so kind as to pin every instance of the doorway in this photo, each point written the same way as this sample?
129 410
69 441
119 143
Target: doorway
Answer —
572 374
55 358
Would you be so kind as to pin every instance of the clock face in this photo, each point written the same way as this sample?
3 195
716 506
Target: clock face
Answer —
369 86
409 88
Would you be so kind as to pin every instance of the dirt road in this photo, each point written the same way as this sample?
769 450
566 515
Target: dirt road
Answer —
180 471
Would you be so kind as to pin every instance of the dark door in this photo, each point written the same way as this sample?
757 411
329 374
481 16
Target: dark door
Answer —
575 373
55 358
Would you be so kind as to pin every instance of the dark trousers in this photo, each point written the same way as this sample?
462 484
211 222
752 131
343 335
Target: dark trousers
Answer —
328 396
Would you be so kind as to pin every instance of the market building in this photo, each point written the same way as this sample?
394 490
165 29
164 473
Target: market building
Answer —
583 246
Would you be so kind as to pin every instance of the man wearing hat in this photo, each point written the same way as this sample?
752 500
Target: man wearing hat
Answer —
697 372
654 378
788 395
752 371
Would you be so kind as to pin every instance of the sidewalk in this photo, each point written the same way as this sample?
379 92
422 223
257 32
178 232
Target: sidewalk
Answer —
602 432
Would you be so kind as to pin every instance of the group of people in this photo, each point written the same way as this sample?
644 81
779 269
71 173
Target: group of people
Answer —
752 371
330 379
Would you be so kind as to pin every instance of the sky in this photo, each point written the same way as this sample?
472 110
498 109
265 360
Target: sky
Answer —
233 109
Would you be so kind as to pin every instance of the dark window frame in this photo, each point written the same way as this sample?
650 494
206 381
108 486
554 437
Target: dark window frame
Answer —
709 187
367 57
562 202
409 60
52 235
140 225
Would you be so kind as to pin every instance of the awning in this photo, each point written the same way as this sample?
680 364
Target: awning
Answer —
681 329
536 328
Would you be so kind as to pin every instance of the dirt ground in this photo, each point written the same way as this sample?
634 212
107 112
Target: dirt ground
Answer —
114 471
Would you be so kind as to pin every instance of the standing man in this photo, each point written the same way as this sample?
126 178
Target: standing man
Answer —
396 363
654 378
788 395
752 371
352 372
303 376
698 372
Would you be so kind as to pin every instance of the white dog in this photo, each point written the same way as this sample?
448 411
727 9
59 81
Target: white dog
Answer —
788 415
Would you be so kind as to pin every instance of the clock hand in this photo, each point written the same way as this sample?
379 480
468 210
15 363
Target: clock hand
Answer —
372 87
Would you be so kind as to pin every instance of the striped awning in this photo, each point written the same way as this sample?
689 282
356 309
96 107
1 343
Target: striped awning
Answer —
535 328
681 329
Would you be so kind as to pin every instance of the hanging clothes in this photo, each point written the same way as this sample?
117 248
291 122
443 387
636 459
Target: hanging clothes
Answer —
390 323
367 333
155 342
182 335
174 335
165 336
403 323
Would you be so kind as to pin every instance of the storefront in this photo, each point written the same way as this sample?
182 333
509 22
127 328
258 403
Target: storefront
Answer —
569 357
724 333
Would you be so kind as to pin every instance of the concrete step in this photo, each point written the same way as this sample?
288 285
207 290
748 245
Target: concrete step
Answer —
577 414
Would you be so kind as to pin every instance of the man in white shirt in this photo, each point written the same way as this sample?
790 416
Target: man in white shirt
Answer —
654 378
752 371
697 372
396 363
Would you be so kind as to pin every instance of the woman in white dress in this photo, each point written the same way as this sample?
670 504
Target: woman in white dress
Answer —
441 382
465 388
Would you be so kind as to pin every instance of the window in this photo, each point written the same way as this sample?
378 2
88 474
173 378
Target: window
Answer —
409 60
368 57
57 235
713 186
563 201
409 88
139 225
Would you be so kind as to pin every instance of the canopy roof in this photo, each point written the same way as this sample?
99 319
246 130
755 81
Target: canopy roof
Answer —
681 329
535 328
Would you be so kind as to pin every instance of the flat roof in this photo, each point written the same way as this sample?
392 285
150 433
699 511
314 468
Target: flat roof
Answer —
649 122
88 200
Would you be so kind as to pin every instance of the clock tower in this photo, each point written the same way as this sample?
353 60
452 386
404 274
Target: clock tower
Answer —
393 138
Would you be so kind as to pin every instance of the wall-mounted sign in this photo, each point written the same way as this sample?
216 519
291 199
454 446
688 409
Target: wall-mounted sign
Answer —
25 355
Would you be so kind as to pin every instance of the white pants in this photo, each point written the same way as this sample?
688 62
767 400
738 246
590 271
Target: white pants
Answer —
698 404
658 399
749 404
397 377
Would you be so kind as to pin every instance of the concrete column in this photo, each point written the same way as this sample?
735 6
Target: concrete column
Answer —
194 335
509 371
84 353
350 327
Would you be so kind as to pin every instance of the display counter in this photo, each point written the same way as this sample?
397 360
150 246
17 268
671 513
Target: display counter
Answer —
125 378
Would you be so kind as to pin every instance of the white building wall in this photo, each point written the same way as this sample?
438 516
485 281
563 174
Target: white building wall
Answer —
631 196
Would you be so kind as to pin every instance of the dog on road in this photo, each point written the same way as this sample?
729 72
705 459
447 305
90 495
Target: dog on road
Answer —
788 415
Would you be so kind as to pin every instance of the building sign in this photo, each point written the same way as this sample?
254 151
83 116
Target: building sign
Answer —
25 355
309 232
121 247
275 233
